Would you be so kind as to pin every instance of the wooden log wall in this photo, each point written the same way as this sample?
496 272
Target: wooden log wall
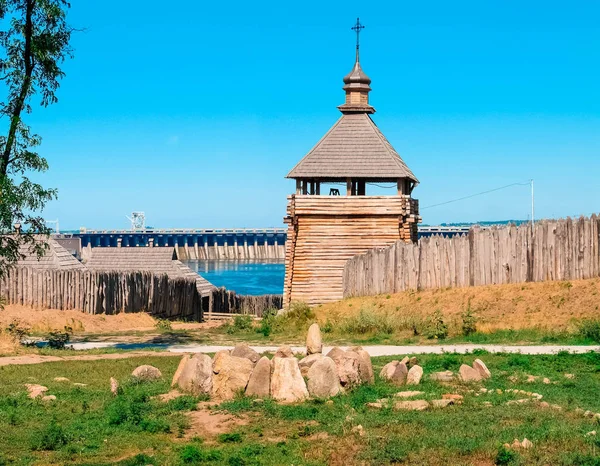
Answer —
556 250
103 292
325 231
225 301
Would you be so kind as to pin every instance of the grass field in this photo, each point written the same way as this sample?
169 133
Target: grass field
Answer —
87 425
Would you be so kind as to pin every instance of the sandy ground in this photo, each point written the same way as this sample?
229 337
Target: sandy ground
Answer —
554 305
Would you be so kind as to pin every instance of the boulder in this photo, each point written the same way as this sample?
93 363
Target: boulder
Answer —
335 353
48 398
441 403
412 362
194 374
414 375
61 379
480 367
374 405
526 444
395 372
259 384
184 359
306 363
413 405
114 386
388 370
284 352
468 374
365 367
217 358
35 390
233 377
455 397
314 343
287 384
405 360
146 373
323 379
444 376
348 363
242 350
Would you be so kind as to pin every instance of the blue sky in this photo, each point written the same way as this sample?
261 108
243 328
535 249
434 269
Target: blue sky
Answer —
195 111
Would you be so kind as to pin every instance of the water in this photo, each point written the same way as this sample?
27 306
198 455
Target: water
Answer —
244 277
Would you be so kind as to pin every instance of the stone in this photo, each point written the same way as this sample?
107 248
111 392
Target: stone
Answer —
468 374
569 376
49 398
232 378
114 386
358 430
412 362
314 343
35 390
196 374
544 404
480 367
242 350
284 352
146 373
323 379
408 394
77 384
335 353
217 360
412 405
347 363
306 363
546 380
259 384
414 375
178 371
444 376
287 384
596 417
516 444
395 372
591 433
374 405
61 379
487 404
365 366
587 414
387 372
455 397
405 360
531 379
441 403
526 444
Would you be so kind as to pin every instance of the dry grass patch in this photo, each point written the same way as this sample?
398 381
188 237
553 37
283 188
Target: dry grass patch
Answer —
552 305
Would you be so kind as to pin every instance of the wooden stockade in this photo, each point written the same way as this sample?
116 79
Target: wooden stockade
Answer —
557 250
97 292
225 303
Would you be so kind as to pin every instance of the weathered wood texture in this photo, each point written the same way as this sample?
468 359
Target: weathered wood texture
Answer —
97 292
325 231
237 250
557 250
228 302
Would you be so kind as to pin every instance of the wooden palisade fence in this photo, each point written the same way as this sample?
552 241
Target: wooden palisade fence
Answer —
563 249
228 302
96 292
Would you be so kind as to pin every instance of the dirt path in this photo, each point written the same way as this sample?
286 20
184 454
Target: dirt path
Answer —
38 358
382 350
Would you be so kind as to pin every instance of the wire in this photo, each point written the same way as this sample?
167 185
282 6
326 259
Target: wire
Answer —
528 183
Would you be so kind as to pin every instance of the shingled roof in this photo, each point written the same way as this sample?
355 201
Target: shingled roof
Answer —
159 260
55 258
353 148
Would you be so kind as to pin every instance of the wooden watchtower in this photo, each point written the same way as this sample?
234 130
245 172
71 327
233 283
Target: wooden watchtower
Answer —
326 229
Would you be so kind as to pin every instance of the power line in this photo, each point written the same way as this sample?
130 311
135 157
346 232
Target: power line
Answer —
528 183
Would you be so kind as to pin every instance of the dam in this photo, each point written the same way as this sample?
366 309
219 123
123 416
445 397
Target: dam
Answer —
214 244
196 244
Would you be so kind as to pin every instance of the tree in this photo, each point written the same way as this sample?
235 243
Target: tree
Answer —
32 48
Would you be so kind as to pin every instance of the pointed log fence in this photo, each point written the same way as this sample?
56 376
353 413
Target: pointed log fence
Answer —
563 249
96 292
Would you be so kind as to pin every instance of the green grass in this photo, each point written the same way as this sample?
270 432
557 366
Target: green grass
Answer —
87 425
